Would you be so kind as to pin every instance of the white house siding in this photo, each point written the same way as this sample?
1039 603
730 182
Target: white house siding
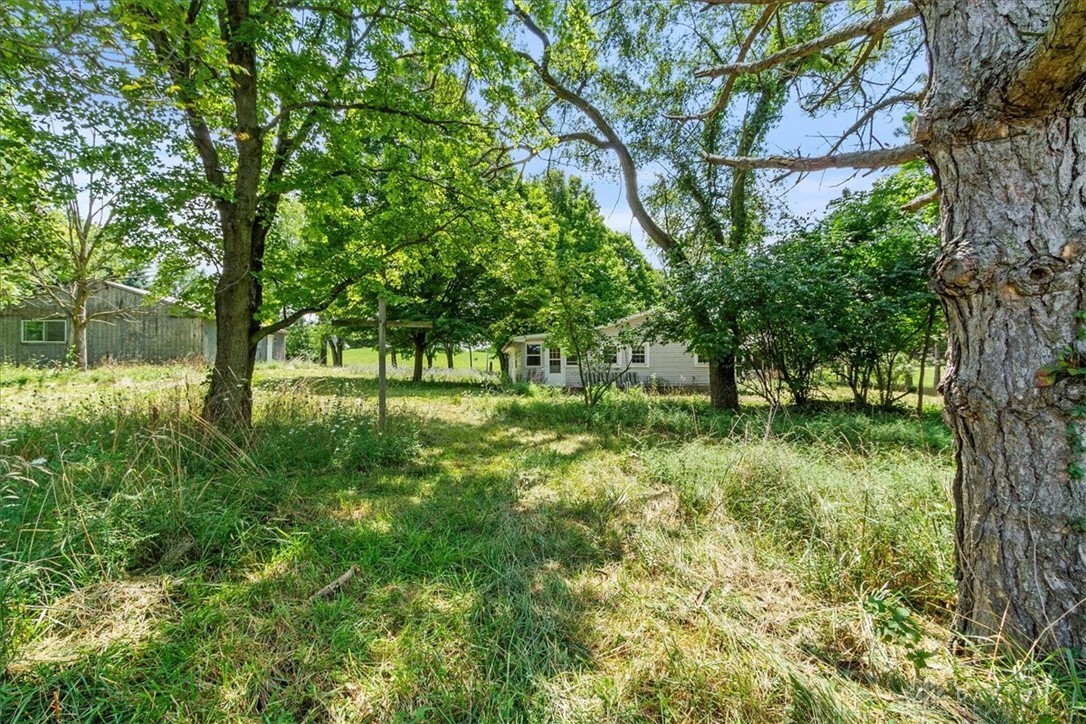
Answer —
668 364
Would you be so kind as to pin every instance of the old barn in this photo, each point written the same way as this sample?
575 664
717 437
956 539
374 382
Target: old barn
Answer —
135 327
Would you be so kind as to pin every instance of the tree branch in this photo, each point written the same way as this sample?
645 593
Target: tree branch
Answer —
1055 66
921 201
610 138
293 317
334 106
878 158
870 112
871 26
726 91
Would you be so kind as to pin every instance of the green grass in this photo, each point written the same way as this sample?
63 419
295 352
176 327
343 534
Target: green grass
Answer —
478 359
519 558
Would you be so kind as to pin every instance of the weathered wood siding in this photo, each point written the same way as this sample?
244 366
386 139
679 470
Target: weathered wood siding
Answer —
150 332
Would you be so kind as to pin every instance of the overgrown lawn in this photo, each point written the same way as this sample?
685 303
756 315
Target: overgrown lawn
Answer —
518 557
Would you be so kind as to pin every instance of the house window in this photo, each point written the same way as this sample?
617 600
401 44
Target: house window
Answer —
535 356
554 357
639 355
572 359
612 357
45 331
702 359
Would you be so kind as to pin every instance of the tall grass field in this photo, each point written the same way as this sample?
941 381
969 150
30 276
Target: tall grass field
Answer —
498 554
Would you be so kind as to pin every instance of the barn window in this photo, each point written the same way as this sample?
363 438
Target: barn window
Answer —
639 355
45 330
534 356
555 360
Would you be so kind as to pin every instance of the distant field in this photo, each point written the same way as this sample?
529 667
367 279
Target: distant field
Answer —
461 360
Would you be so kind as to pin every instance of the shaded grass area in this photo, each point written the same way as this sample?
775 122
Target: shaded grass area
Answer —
520 558
478 359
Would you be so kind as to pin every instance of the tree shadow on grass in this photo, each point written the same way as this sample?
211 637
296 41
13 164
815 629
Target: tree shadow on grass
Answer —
464 606
366 386
633 418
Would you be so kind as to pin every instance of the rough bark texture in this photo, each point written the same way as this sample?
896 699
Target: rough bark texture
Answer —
229 401
1010 277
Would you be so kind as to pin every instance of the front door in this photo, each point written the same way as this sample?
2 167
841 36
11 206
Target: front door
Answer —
555 373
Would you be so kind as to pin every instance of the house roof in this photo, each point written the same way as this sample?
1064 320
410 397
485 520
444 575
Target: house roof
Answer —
134 290
540 336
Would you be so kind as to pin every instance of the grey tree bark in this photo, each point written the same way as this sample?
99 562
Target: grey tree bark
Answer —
1004 129
80 322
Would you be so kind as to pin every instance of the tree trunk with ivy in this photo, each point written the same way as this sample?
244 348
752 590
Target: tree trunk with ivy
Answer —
1003 125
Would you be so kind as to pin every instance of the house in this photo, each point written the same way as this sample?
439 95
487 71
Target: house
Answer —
670 364
134 327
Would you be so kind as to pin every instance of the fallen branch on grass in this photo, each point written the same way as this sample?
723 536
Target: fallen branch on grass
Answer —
336 584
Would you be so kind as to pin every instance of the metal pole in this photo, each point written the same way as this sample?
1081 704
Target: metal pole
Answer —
382 380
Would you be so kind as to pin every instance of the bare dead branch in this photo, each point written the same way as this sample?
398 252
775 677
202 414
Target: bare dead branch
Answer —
871 26
336 584
877 158
921 201
870 113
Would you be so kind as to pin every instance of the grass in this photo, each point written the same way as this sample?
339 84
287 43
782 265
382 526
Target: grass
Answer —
520 558
477 359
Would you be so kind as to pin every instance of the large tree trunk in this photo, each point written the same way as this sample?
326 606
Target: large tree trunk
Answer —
1011 161
229 400
449 354
723 387
420 352
244 221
